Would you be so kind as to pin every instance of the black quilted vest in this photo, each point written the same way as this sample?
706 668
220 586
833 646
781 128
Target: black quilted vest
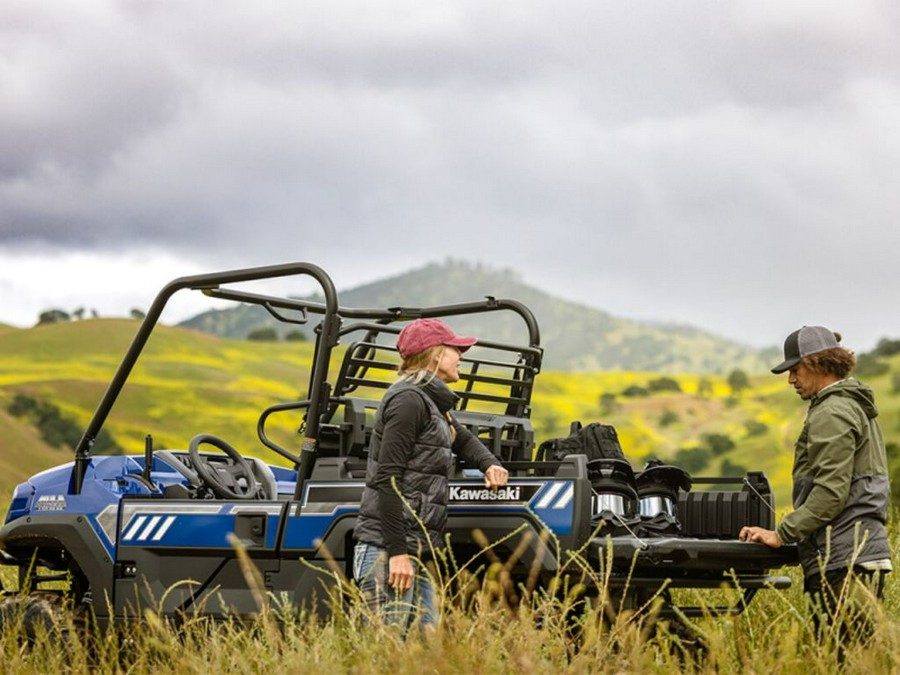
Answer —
425 485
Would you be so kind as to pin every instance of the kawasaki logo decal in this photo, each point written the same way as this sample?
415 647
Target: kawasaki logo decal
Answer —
505 494
550 495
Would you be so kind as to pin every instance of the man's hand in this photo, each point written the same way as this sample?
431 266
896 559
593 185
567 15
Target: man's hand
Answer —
495 476
400 573
758 534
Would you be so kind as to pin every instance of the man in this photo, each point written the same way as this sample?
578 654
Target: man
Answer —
841 489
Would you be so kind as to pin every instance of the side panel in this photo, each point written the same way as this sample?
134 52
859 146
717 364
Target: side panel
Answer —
323 528
182 556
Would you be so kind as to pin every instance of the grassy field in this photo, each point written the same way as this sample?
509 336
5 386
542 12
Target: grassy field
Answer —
479 632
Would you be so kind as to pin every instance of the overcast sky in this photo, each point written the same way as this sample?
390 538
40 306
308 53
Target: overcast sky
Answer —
730 165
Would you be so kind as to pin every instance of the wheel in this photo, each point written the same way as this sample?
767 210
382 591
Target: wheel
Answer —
226 480
38 615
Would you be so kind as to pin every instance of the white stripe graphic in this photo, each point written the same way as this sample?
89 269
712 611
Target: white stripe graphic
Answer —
147 530
134 528
268 509
549 496
165 526
566 498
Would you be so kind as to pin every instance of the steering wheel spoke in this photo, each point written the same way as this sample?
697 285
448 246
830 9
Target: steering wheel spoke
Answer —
234 480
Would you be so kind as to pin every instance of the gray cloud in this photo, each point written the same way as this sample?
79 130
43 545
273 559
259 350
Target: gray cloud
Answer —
725 164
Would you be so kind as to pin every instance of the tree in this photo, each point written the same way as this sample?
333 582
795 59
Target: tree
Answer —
607 403
295 336
738 381
78 313
718 444
53 316
668 417
868 365
21 405
263 335
104 444
704 387
692 459
138 314
887 347
55 428
756 428
732 469
663 384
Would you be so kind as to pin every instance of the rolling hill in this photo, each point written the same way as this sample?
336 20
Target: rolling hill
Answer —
192 382
575 337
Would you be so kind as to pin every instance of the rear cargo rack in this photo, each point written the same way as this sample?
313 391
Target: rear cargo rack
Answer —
720 514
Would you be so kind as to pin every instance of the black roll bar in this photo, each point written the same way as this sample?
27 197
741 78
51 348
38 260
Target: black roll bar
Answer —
209 283
328 334
392 314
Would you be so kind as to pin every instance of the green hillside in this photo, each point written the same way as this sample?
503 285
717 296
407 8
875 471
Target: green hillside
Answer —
575 337
188 383
191 382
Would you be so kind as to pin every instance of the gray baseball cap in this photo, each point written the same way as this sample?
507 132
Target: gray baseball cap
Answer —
803 342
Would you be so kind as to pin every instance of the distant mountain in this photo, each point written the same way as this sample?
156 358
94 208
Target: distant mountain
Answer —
575 337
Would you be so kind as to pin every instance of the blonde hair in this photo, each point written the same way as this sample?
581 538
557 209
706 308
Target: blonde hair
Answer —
422 367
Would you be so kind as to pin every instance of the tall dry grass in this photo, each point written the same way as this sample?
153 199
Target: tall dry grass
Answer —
481 631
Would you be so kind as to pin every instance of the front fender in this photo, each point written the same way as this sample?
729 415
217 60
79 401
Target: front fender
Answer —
63 539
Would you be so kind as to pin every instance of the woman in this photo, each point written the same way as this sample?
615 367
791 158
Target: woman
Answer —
404 504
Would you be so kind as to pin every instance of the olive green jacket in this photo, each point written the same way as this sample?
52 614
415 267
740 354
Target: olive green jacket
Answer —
841 488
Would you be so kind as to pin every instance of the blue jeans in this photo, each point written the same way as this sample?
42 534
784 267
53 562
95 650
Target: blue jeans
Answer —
415 606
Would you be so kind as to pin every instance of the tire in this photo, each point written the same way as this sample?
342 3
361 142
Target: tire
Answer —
39 615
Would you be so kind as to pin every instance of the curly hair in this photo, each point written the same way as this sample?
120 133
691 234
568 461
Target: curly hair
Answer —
836 361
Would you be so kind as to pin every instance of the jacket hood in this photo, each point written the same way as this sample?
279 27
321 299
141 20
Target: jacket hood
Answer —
854 389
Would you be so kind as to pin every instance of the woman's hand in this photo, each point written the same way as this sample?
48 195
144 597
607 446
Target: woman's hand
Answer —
495 476
400 573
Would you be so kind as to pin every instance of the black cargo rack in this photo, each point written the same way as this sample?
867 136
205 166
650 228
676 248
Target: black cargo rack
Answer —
497 381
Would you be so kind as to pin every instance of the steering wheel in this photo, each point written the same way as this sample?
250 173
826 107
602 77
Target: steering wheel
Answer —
223 479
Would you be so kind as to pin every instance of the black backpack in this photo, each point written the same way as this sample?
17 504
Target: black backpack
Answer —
596 440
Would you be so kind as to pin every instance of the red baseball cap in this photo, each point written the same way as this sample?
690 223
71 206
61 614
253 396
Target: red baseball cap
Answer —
422 334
